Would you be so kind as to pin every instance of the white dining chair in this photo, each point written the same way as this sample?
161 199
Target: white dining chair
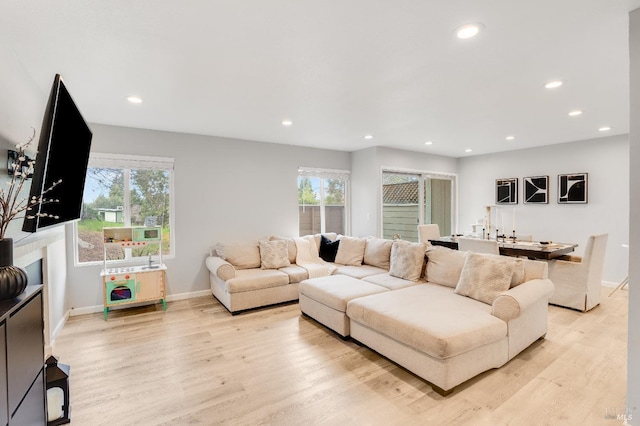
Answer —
428 232
478 245
578 279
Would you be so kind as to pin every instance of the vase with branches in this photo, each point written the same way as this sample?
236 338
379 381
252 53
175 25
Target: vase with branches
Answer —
13 280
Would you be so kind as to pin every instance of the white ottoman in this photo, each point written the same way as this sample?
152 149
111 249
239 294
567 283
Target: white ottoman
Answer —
325 299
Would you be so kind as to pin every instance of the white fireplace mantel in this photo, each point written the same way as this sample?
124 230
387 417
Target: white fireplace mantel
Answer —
31 248
49 246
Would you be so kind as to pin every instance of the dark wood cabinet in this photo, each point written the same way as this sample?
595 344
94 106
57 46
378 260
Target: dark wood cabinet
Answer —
22 380
4 412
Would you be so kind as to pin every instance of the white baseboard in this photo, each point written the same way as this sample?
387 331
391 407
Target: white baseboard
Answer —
61 324
86 310
191 295
51 347
610 284
100 308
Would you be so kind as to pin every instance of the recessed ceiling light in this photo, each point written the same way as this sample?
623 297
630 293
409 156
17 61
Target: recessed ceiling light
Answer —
428 143
134 99
604 129
468 150
468 30
510 137
368 137
553 84
287 123
575 113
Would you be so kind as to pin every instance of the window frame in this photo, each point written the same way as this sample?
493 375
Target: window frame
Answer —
325 174
126 163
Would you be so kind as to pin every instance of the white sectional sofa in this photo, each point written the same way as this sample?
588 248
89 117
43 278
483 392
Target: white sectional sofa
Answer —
445 315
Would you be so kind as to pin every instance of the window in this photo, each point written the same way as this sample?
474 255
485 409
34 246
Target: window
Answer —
323 200
410 199
124 191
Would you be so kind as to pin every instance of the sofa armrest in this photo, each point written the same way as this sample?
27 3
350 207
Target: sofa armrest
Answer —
512 303
221 268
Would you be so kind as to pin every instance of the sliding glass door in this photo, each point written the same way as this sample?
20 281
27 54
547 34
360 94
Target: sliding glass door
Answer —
411 199
438 205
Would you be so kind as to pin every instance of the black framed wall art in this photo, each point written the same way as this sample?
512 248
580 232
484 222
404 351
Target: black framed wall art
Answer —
573 188
535 190
507 191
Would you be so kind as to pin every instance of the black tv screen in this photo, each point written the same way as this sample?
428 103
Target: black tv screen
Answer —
62 156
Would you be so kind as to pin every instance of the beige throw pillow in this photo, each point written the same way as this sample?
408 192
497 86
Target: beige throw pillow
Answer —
350 251
290 243
274 254
241 254
444 265
377 252
407 259
485 276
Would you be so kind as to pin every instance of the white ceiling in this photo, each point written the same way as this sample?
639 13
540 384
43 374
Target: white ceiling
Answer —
338 69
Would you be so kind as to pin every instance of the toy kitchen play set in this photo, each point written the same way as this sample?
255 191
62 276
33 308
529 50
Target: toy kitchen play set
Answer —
138 283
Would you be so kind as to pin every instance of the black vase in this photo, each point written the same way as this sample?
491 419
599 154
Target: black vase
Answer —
13 279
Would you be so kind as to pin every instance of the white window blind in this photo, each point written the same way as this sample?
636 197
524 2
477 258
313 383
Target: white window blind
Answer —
324 173
120 161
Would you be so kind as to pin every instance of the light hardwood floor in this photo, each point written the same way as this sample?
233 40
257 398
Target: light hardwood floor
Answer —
198 364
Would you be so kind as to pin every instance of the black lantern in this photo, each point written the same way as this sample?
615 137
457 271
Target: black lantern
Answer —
57 392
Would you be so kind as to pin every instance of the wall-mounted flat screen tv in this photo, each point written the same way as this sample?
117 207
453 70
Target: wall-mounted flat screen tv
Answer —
62 156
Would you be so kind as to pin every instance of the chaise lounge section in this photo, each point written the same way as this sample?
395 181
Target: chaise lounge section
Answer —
469 313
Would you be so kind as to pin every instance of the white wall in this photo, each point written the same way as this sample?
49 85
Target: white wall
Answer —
23 102
605 159
234 189
56 280
223 189
633 345
365 194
